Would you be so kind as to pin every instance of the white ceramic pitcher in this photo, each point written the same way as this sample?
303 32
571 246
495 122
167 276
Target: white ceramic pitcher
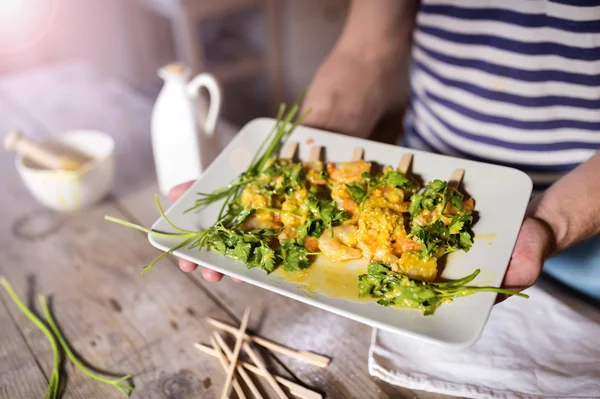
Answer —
183 126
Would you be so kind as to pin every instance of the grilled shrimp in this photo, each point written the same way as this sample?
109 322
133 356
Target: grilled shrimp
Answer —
338 247
262 219
313 172
379 228
348 172
295 209
422 269
343 198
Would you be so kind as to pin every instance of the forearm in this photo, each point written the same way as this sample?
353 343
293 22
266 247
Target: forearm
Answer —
571 206
379 30
356 83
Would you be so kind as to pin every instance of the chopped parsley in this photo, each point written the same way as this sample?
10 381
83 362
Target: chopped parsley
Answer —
395 289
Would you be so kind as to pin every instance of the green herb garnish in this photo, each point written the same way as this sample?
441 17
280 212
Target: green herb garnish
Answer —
117 383
358 191
53 335
389 178
444 232
53 384
294 256
264 158
324 214
396 289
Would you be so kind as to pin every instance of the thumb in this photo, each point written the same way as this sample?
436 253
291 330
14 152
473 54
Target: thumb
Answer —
531 250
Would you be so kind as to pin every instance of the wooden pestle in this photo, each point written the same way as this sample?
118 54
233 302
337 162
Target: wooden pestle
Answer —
16 141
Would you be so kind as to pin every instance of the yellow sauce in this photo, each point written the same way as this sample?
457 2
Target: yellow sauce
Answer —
333 279
485 237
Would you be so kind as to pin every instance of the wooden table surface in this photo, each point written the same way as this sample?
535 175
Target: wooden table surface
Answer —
114 317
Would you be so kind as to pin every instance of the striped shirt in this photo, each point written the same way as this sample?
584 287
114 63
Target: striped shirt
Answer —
511 82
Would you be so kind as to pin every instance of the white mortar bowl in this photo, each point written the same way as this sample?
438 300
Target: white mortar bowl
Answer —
64 190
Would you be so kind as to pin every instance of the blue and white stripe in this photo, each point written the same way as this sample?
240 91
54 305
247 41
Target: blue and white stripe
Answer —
513 82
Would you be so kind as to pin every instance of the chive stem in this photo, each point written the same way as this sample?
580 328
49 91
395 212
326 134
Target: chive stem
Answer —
117 383
53 385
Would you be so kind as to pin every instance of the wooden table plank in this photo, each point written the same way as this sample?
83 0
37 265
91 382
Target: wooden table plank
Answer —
20 375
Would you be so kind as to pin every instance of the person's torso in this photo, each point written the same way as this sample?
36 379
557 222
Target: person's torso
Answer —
512 82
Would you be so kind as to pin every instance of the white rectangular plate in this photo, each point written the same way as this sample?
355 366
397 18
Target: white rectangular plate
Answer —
501 195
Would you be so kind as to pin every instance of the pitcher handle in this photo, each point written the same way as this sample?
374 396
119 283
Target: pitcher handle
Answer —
214 91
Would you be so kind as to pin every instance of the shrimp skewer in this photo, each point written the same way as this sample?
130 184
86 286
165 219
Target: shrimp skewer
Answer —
252 198
454 183
313 168
410 262
340 244
337 247
347 173
382 235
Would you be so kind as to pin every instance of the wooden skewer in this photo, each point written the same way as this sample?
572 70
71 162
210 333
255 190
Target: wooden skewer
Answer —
223 346
315 153
269 377
236 385
295 389
404 163
239 338
357 154
15 141
456 178
308 357
289 150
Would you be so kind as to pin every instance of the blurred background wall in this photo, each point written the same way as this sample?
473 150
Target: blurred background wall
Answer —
263 51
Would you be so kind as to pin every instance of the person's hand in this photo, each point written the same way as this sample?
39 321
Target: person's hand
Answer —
185 265
348 94
534 244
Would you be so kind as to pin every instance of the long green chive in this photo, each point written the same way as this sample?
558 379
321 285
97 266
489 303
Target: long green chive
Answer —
53 384
117 383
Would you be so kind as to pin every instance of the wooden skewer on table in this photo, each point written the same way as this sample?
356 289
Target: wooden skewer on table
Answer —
308 357
236 385
261 366
295 389
239 339
218 340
